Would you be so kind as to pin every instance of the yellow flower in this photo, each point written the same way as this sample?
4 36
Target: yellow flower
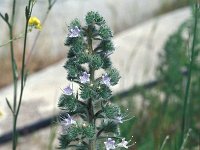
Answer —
35 22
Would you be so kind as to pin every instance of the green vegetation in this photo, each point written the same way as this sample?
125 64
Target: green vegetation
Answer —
169 117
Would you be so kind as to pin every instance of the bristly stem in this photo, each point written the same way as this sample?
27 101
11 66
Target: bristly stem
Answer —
92 143
187 90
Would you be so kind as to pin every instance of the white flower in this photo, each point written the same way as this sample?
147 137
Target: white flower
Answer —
74 32
105 79
68 90
110 144
85 77
123 143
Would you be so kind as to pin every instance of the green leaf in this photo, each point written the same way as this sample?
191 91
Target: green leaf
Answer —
114 75
96 62
89 131
9 105
112 111
104 92
87 92
74 23
105 32
6 17
109 127
68 102
106 63
94 18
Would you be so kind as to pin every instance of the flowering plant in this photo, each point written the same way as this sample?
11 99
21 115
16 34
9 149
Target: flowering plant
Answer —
91 120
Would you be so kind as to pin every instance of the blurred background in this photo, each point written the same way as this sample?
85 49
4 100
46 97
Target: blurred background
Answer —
152 40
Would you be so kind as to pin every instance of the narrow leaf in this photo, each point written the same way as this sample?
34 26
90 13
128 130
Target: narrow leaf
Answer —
6 17
27 13
25 77
8 103
15 69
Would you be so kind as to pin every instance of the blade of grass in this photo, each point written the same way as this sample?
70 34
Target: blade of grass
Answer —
187 90
185 139
164 142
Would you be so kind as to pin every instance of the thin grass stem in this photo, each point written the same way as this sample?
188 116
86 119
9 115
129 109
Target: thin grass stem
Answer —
187 90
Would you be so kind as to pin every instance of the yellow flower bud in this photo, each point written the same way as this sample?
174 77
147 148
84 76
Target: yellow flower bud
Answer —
35 22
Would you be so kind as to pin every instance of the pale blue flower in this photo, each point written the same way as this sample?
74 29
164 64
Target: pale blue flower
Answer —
105 79
74 32
66 123
85 77
68 90
123 143
118 119
110 144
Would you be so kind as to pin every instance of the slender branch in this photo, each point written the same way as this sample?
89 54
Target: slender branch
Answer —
11 40
7 21
82 103
16 107
23 57
14 74
99 132
97 114
38 33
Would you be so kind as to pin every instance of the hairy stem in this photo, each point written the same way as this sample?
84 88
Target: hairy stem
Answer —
92 142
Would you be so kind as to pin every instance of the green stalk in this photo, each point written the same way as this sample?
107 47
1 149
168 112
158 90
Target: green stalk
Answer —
17 107
92 143
23 60
14 70
51 4
184 117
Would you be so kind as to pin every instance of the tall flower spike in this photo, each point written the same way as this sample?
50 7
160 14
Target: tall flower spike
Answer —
123 143
68 90
85 78
74 32
110 144
105 79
